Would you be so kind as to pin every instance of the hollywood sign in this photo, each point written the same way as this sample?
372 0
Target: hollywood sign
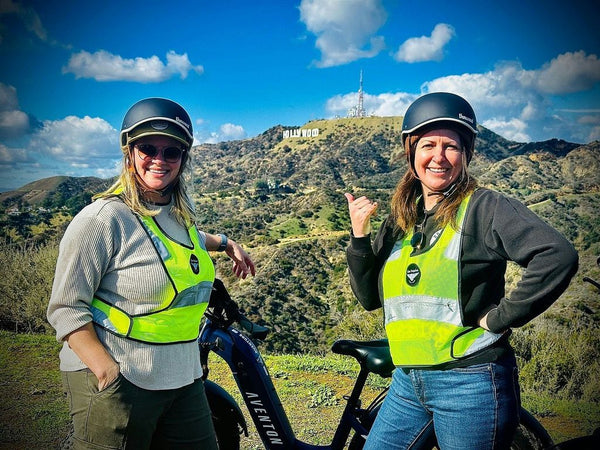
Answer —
300 132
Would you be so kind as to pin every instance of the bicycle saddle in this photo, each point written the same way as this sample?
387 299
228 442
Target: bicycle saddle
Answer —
374 355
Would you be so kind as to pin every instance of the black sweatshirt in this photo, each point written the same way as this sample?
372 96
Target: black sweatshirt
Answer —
496 229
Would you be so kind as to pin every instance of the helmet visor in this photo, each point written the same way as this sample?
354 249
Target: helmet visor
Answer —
157 127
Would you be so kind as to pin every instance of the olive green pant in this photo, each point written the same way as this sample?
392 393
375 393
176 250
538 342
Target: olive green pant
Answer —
124 416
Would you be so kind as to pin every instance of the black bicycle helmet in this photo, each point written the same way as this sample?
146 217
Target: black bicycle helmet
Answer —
153 116
441 110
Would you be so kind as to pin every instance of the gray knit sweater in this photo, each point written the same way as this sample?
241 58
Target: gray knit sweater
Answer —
106 250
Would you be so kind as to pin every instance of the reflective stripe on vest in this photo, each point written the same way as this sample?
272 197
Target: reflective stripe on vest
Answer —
422 302
191 274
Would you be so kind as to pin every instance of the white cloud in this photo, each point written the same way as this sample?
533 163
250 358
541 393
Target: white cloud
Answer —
75 146
110 170
594 134
514 102
514 129
227 132
344 28
181 64
387 104
592 121
501 89
507 101
12 155
72 146
568 73
89 141
231 131
426 48
104 66
580 111
13 122
8 98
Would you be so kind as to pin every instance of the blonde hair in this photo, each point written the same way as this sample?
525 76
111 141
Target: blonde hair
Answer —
404 202
128 188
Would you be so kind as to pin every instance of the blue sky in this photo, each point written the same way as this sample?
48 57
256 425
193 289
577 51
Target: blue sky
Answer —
69 70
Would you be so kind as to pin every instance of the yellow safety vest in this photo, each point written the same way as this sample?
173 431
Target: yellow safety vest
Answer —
191 272
421 298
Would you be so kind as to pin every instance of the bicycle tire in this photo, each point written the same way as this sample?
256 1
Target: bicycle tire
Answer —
530 434
227 437
226 429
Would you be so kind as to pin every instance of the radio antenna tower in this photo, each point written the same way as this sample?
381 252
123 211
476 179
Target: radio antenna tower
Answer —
358 110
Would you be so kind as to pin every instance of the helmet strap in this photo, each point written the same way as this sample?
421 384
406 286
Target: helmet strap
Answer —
167 191
450 190
445 193
410 155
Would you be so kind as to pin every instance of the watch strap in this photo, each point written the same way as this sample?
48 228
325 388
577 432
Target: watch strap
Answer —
223 245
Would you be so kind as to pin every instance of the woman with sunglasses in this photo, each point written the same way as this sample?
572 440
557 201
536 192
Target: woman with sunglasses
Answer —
437 268
133 279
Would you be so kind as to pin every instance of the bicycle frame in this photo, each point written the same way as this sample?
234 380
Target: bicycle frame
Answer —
260 396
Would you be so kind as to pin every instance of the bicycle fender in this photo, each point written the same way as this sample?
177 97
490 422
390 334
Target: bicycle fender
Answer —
529 421
222 403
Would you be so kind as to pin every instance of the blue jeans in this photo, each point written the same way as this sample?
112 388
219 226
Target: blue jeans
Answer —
475 407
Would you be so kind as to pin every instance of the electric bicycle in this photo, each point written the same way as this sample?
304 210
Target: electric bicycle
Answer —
236 345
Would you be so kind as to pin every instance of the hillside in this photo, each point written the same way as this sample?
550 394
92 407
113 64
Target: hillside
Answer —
55 192
344 152
283 199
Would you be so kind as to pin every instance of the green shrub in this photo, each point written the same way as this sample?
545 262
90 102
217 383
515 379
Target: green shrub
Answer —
561 361
322 396
26 285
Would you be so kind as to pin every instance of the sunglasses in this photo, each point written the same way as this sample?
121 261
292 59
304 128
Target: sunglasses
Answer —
418 237
149 151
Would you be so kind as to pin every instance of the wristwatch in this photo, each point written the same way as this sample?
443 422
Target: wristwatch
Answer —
223 245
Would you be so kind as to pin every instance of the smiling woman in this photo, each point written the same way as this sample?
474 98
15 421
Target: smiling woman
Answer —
157 162
437 267
438 162
133 280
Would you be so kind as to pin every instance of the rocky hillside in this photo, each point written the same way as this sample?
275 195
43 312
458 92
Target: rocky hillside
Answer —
283 199
55 192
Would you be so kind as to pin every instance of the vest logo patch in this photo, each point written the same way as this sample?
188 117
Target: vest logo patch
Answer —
194 264
413 274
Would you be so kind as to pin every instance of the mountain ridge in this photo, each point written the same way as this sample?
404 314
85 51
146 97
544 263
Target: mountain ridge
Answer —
36 193
283 200
490 147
